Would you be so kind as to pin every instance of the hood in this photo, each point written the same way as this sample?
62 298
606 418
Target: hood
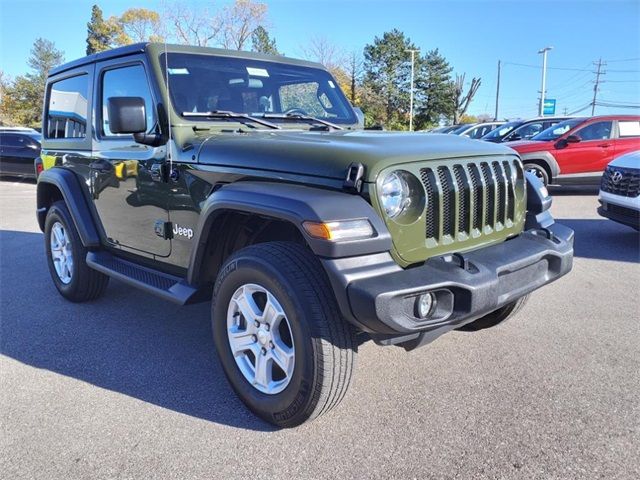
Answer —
329 154
628 160
524 146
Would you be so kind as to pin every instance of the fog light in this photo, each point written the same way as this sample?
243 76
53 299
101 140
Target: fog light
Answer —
425 305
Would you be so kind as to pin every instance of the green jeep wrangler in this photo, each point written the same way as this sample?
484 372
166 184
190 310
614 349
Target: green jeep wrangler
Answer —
199 174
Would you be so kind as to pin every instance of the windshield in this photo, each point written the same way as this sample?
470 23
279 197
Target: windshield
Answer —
207 83
502 130
556 131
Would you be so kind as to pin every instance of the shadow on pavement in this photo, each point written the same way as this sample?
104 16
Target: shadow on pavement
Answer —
604 239
127 341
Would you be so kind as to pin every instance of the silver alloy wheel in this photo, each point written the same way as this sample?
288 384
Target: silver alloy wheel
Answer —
537 172
61 252
260 338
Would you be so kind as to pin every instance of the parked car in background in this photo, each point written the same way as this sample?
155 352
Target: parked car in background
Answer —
476 130
576 151
19 147
446 129
620 190
521 129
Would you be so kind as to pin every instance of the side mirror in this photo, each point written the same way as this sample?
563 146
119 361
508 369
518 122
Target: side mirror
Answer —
127 115
573 139
360 115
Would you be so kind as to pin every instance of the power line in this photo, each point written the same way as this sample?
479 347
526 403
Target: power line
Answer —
624 60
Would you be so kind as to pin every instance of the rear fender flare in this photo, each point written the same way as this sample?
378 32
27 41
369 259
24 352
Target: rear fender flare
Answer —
68 184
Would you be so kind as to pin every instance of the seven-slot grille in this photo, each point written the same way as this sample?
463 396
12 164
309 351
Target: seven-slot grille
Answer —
466 198
621 181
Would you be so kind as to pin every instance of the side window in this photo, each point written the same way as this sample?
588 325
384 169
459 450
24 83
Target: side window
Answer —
629 128
528 131
595 131
67 109
11 140
128 81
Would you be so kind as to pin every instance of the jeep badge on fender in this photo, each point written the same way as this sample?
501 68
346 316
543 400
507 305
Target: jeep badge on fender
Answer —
308 235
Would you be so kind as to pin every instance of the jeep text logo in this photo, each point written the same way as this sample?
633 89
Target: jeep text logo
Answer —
182 231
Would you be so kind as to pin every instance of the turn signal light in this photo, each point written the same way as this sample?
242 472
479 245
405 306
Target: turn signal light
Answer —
340 230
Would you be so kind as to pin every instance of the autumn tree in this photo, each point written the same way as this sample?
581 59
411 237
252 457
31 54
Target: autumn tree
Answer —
22 99
201 27
322 50
261 42
101 34
140 25
239 21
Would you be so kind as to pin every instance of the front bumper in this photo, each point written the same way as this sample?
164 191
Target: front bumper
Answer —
466 286
625 210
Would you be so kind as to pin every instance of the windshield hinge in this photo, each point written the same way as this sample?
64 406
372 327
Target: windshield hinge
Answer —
353 182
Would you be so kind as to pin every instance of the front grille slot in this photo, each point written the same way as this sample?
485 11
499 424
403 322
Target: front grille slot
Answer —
471 199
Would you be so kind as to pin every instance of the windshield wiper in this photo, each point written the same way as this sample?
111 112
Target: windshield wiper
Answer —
231 115
300 116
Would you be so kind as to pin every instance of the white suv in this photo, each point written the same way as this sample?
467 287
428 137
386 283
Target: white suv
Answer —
620 190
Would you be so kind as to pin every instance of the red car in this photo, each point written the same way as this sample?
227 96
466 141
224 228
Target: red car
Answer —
576 151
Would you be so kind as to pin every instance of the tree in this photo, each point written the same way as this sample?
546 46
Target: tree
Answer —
139 25
463 100
434 94
355 74
101 34
262 43
193 26
239 21
22 99
387 74
331 56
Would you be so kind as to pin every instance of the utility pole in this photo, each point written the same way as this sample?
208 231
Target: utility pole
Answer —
495 117
565 112
595 87
413 53
544 79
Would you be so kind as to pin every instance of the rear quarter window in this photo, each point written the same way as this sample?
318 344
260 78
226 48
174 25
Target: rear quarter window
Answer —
629 128
68 108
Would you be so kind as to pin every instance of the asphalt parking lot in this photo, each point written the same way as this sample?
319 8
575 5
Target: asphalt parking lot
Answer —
129 386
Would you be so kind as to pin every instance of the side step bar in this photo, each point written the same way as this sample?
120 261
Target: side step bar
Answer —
158 283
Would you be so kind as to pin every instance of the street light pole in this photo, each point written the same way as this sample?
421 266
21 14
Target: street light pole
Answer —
544 78
413 52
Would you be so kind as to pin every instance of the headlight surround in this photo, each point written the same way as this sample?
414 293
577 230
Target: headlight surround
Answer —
401 196
394 194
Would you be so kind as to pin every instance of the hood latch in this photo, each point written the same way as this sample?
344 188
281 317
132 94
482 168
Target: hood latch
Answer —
353 182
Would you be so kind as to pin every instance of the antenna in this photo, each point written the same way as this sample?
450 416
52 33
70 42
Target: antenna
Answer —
168 103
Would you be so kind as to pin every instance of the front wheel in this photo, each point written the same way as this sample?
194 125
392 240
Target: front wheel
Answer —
282 343
538 171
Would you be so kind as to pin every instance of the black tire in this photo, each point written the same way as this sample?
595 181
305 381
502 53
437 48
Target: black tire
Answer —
496 317
86 284
539 171
325 344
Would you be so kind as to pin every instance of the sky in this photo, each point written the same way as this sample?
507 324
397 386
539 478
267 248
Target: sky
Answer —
472 35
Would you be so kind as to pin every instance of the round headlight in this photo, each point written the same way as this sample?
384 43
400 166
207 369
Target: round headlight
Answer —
394 194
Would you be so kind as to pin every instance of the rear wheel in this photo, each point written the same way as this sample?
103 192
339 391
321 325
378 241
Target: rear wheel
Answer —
66 258
496 317
282 343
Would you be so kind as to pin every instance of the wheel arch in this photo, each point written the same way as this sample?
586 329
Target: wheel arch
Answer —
544 159
59 184
276 211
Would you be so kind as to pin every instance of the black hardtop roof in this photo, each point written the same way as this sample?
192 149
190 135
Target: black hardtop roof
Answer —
172 48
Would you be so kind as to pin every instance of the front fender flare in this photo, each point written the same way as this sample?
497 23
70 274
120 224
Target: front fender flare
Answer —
294 204
546 157
70 188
